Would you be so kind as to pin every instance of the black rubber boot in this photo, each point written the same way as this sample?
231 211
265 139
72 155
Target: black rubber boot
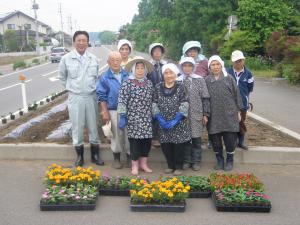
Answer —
220 161
117 161
229 161
95 155
241 143
128 161
79 150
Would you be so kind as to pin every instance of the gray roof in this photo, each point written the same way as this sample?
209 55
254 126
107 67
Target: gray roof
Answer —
5 16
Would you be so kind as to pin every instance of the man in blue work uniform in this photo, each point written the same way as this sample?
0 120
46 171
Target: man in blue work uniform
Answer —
245 82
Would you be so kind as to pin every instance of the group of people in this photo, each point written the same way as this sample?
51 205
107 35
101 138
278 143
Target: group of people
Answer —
157 103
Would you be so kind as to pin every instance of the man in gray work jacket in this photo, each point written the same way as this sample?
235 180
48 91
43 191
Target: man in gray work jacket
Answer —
78 72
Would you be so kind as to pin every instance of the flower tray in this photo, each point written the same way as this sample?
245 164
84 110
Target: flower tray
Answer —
66 207
175 207
247 207
113 192
199 194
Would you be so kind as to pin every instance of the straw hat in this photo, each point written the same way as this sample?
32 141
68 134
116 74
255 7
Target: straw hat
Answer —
137 59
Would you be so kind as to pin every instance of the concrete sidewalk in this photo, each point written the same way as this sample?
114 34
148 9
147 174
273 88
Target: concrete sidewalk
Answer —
21 188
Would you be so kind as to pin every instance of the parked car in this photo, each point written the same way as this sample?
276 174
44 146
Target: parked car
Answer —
97 43
57 53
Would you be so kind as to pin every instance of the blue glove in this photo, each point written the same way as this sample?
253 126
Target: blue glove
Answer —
172 123
122 121
161 120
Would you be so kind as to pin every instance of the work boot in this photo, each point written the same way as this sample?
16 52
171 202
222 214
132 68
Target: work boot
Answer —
79 150
135 167
241 143
95 155
128 161
117 161
229 161
220 162
186 166
143 164
168 171
196 166
177 172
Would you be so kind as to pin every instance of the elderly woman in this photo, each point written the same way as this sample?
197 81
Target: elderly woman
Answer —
225 104
170 109
125 48
135 110
198 96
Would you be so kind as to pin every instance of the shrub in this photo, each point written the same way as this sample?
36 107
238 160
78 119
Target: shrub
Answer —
258 63
291 72
241 40
19 64
35 61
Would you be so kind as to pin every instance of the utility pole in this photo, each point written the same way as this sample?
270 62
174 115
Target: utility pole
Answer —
62 26
70 24
35 7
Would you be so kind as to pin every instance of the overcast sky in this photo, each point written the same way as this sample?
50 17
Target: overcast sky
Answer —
90 15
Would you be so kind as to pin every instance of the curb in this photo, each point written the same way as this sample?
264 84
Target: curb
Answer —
46 151
275 126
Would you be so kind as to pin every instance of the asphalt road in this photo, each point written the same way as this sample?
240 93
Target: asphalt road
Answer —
21 188
41 81
277 102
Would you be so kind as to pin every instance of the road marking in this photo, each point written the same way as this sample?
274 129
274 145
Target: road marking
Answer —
47 74
53 78
2 89
20 71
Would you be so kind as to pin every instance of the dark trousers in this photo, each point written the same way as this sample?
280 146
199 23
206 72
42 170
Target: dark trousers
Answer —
243 128
229 139
139 147
174 154
194 153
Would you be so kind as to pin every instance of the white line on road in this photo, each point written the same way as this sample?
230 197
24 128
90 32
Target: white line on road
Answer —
2 89
44 75
53 78
20 71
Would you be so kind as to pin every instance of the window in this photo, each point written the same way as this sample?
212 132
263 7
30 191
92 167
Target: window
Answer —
11 26
27 26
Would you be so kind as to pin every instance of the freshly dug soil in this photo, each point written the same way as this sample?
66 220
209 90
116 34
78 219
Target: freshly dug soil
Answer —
258 134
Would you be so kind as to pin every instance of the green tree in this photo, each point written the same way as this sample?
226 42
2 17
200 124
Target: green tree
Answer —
261 18
11 40
107 37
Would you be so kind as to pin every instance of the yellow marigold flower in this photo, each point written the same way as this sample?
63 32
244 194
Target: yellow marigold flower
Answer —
188 188
133 180
184 191
170 195
57 181
78 168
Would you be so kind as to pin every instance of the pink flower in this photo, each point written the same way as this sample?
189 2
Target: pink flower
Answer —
248 193
77 197
265 196
62 191
45 195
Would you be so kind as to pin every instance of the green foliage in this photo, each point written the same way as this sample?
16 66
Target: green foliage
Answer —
19 64
35 61
256 63
242 40
261 18
291 72
11 41
107 37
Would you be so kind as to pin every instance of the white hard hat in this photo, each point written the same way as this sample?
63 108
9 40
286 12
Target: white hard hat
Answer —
237 55
153 45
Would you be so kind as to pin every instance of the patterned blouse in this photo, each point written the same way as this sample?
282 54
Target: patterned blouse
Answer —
198 96
135 100
168 101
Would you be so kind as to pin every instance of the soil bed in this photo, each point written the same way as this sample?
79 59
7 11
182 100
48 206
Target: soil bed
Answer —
258 134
